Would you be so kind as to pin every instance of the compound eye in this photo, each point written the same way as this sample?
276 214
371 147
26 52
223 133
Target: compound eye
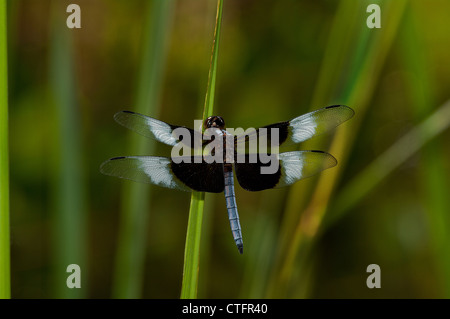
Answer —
208 122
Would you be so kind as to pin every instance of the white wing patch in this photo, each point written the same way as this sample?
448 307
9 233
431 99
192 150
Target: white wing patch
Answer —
318 122
303 164
303 128
162 131
147 126
292 167
161 176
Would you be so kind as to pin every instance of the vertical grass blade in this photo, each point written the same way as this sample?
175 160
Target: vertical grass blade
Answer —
433 179
5 282
359 70
339 48
130 257
192 249
68 185
193 235
211 89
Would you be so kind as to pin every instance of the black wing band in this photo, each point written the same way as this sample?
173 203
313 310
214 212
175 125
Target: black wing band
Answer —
292 167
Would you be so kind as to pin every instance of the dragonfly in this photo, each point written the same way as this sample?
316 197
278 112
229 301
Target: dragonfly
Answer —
197 172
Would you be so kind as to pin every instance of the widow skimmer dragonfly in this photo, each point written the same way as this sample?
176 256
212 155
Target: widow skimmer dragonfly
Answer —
200 174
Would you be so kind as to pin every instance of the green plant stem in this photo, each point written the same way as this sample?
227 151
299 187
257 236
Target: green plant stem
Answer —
192 249
193 234
210 91
130 257
5 282
69 188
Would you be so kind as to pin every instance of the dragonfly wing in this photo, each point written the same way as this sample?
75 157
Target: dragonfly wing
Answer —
317 122
298 129
186 175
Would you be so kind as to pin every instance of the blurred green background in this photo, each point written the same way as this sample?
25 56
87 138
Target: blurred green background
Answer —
385 203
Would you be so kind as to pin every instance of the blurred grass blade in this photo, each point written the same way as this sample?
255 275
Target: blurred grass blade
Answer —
69 189
5 282
339 48
343 38
193 234
434 181
358 73
261 248
130 257
392 158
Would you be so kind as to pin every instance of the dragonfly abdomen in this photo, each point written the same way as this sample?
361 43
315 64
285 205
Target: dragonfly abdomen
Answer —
233 215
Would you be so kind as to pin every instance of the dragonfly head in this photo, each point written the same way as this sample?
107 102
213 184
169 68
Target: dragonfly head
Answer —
214 121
